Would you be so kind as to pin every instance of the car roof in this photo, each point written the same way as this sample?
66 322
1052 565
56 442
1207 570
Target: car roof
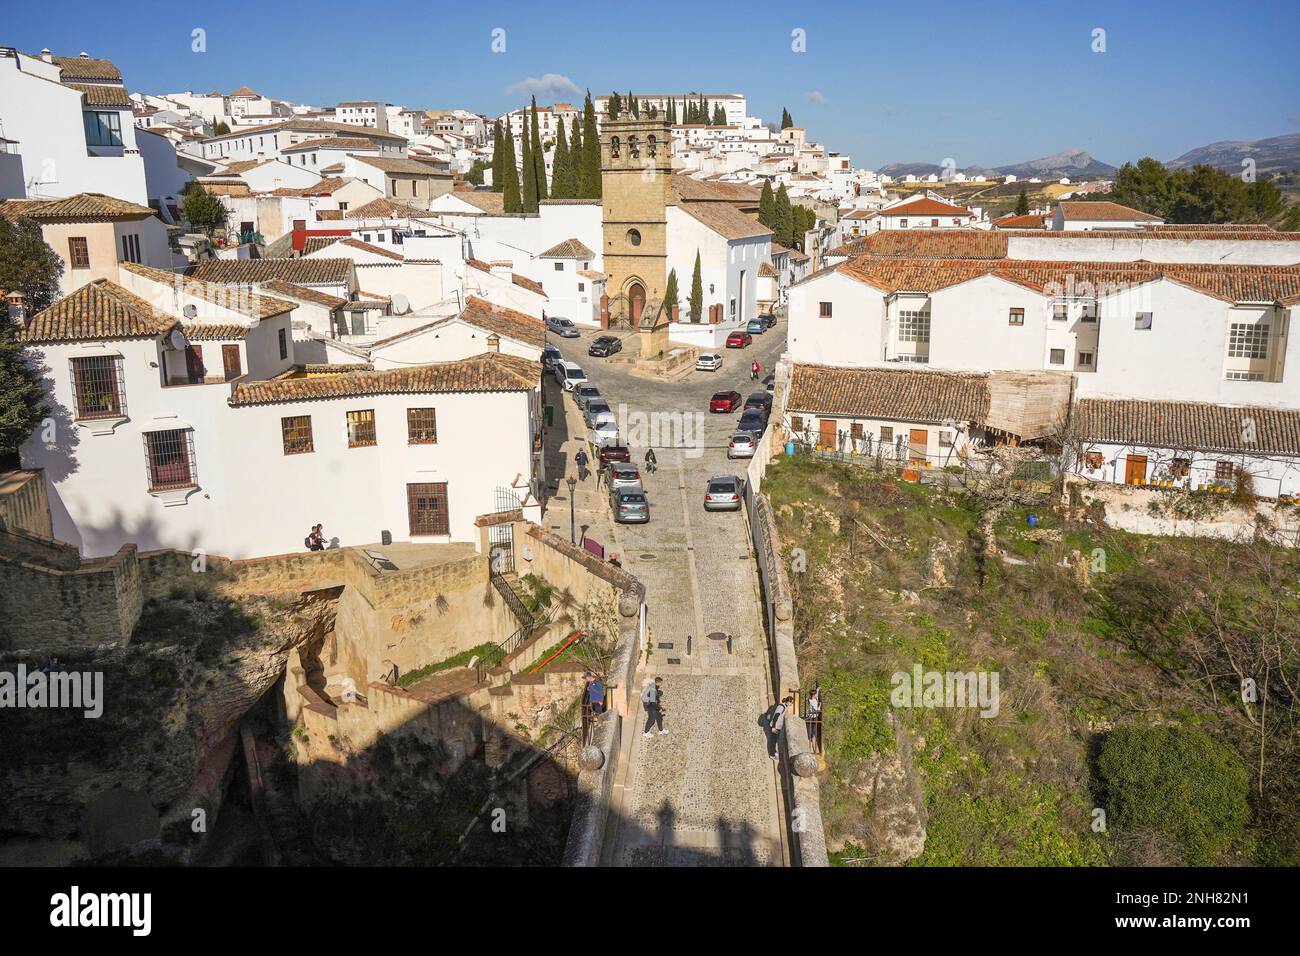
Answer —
748 436
724 478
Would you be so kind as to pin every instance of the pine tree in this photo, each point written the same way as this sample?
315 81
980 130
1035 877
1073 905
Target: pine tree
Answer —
783 218
786 119
589 171
202 209
766 204
511 201
671 293
561 166
528 169
1022 204
498 157
539 155
697 292
27 265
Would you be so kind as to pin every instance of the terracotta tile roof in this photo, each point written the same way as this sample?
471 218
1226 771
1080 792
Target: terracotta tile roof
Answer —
483 199
904 394
331 142
525 283
1195 426
98 310
315 244
407 166
297 271
1100 210
86 68
936 244
328 215
253 306
567 202
568 249
488 372
213 331
767 269
851 249
227 189
309 126
1026 221
245 91
83 207
1180 234
325 368
925 206
241 166
326 187
725 219
593 275
683 188
98 94
383 208
289 290
508 322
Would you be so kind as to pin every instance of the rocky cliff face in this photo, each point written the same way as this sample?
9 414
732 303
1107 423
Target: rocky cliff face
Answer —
149 774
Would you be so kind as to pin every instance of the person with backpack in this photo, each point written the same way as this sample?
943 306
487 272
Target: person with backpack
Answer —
315 541
650 461
654 710
775 724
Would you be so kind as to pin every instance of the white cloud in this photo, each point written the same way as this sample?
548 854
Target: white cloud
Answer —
815 96
549 86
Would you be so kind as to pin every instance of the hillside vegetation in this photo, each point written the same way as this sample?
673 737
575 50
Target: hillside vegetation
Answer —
1122 736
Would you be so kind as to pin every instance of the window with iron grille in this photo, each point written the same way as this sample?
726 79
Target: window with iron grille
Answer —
1060 312
1224 470
169 459
284 344
361 428
1180 467
131 248
886 433
1248 340
78 252
855 431
421 426
1016 317
296 432
825 308
99 387
427 508
913 326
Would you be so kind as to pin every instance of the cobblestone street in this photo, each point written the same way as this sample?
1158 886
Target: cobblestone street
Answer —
706 793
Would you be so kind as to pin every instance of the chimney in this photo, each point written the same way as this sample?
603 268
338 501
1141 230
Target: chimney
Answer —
47 56
84 55
17 310
494 342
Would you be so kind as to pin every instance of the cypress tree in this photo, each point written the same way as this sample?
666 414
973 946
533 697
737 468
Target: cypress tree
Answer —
589 171
634 105
1022 204
498 158
614 106
783 219
672 112
529 170
539 155
510 198
561 166
766 204
697 291
671 295
575 146
786 119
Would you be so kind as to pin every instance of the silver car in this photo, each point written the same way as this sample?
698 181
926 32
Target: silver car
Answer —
624 476
584 393
741 445
629 507
722 493
594 409
708 362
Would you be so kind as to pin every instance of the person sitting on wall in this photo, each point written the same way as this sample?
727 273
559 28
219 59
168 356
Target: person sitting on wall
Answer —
316 540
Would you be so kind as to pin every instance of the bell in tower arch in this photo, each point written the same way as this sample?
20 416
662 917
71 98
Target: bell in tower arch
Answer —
613 147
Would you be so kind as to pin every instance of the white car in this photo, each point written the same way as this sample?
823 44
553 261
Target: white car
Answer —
569 375
604 433
741 445
708 362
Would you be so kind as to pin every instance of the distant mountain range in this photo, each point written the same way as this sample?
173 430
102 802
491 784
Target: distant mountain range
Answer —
1275 154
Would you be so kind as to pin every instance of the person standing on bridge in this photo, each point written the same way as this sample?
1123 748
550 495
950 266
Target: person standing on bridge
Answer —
595 693
775 724
654 711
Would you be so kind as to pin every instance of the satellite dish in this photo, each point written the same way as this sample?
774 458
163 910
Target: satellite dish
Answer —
178 341
191 311
401 304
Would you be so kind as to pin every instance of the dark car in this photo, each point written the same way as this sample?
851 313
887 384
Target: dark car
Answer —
724 401
605 346
613 453
752 421
770 319
722 493
760 400
738 340
550 355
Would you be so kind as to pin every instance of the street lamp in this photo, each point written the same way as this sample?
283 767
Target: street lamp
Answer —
573 533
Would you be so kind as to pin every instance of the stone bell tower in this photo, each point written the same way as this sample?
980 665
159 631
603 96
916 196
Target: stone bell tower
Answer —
636 166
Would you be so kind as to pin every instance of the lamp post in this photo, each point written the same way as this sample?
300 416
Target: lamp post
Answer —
573 520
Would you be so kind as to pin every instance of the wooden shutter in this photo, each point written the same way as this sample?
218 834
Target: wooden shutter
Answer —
230 361
194 364
426 506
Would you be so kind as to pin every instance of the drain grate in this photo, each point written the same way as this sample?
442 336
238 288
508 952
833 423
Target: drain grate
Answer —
648 556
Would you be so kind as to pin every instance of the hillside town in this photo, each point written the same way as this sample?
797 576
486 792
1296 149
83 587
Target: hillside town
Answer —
459 422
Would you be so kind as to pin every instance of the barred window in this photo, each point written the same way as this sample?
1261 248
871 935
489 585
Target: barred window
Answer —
825 309
1016 317
1060 312
99 387
1224 470
855 431
796 423
913 326
421 426
78 252
361 428
169 459
1248 340
296 432
284 344
886 432
1180 467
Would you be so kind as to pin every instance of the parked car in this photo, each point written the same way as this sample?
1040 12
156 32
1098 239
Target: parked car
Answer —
741 445
708 362
752 421
629 506
584 393
722 493
604 433
569 375
738 339
756 326
564 328
608 453
550 355
771 388
724 401
605 346
770 319
594 409
624 475
760 400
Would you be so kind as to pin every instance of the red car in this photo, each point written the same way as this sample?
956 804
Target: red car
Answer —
724 401
614 453
738 340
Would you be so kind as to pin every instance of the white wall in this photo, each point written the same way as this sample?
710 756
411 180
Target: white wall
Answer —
850 337
1130 249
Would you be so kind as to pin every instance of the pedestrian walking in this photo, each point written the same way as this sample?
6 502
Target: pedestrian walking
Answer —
595 693
650 461
753 370
581 459
651 699
814 718
775 724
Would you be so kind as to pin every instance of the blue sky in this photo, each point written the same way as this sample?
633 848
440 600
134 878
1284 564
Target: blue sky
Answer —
986 83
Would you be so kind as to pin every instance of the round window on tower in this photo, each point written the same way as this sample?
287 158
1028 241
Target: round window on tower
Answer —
633 237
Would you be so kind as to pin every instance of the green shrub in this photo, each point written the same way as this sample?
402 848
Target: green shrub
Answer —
1177 781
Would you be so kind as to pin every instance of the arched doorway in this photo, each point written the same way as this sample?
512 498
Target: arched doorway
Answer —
635 302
